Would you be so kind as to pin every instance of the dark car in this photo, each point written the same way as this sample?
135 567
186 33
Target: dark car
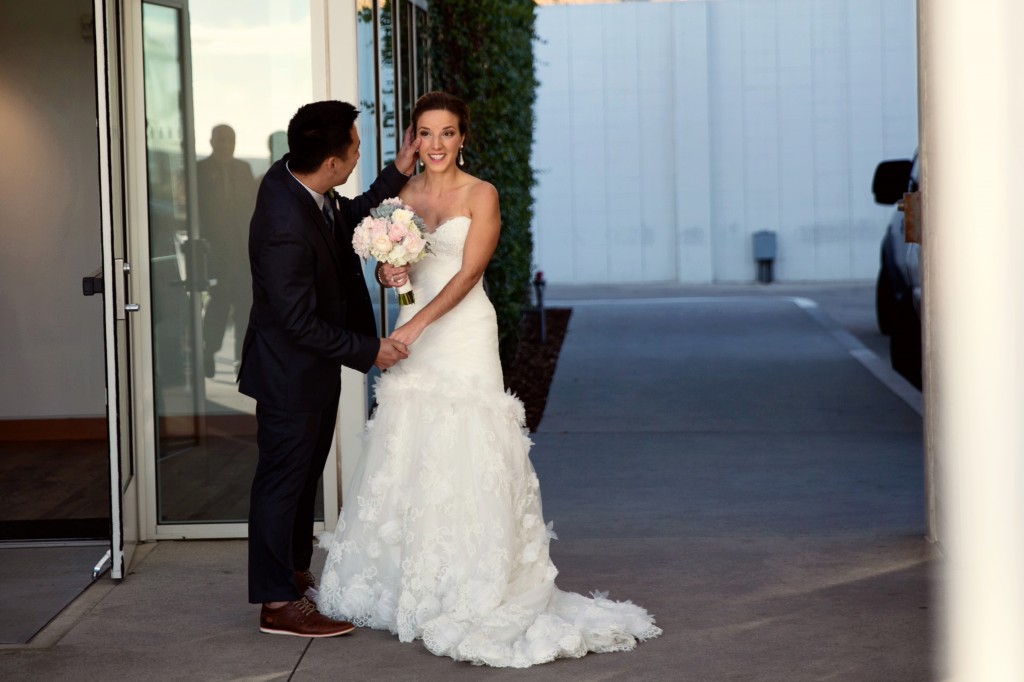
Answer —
898 290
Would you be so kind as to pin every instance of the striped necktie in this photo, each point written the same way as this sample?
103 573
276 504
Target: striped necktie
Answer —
328 214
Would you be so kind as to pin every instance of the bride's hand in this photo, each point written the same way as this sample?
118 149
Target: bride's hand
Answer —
407 333
391 276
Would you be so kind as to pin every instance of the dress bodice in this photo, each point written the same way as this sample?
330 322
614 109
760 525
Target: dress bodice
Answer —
449 237
464 339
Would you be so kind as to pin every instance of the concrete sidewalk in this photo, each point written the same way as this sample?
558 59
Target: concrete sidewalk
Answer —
715 454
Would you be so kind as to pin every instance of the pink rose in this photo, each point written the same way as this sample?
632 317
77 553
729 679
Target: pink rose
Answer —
414 244
397 232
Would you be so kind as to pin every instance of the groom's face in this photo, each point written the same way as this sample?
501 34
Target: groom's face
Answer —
345 166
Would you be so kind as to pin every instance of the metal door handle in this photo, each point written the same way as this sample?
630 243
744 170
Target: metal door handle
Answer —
129 307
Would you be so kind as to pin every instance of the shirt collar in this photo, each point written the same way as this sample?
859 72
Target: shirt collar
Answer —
317 197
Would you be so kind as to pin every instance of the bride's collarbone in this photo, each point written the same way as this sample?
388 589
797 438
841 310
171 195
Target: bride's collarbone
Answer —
436 212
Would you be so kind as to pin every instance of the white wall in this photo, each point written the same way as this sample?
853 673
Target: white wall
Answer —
51 336
668 133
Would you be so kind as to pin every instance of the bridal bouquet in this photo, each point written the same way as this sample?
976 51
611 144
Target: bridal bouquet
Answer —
392 234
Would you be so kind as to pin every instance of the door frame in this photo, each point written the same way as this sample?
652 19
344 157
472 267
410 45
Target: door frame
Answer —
137 180
117 323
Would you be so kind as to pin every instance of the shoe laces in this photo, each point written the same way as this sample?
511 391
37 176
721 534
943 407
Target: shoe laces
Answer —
306 606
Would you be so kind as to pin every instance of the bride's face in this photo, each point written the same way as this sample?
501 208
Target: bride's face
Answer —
440 139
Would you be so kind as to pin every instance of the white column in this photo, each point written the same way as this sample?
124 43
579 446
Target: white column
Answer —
972 101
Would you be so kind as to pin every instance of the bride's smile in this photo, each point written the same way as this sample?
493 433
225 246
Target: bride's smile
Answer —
440 138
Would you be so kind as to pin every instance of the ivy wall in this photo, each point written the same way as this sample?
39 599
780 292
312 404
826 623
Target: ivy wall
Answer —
482 52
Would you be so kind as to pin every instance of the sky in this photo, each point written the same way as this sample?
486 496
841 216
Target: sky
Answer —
252 68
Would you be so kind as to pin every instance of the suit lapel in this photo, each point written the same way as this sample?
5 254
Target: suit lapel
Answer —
316 218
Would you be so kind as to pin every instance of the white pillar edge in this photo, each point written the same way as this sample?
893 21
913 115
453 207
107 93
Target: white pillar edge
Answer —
972 102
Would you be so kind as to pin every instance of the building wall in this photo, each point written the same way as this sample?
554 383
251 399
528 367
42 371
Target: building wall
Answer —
668 133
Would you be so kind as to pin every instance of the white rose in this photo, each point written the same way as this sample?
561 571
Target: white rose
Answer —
381 245
397 255
402 215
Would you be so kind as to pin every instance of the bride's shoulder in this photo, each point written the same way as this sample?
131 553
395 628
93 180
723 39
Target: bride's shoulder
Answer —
481 192
482 201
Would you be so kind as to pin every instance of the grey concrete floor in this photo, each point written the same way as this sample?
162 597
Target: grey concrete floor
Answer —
716 454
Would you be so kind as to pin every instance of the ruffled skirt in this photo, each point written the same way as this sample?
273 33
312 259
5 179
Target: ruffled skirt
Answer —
442 537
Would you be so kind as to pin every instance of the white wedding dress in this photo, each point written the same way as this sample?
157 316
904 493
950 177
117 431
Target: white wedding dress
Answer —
441 535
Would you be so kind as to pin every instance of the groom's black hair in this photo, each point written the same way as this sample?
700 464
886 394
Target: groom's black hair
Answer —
319 130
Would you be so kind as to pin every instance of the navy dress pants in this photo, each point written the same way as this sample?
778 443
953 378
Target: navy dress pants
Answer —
293 449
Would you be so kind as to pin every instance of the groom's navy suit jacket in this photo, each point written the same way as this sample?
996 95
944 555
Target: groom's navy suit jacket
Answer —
311 310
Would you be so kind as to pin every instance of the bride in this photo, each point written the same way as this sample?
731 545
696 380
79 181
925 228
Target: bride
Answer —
441 536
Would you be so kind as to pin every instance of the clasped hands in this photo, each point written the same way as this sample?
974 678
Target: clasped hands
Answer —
395 348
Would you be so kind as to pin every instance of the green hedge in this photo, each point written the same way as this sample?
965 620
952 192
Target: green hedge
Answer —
482 51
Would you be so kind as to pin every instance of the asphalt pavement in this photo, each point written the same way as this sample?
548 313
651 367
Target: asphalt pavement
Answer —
737 459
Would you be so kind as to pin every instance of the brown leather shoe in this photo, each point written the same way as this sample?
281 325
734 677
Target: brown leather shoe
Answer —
301 619
304 580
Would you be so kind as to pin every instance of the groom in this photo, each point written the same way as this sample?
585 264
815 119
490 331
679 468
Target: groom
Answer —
311 314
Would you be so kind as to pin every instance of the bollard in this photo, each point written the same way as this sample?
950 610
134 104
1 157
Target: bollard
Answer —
538 287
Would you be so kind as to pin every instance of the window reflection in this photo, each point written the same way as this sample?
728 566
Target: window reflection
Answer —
386 84
222 81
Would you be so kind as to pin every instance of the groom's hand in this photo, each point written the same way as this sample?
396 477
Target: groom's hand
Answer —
405 160
390 353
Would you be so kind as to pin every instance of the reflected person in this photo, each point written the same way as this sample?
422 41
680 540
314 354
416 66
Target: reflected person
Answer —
227 194
277 145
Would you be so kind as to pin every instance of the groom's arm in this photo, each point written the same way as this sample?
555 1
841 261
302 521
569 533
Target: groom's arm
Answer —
287 263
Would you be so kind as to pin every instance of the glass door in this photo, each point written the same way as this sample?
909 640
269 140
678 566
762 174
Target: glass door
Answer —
179 281
218 83
66 472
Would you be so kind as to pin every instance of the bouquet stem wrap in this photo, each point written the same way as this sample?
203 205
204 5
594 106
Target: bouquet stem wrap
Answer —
405 295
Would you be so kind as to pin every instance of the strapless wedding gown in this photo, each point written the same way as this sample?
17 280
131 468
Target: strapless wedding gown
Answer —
441 535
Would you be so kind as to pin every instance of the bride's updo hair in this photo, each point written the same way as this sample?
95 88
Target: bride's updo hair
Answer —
442 101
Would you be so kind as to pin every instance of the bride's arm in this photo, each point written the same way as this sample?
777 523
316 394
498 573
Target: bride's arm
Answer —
476 254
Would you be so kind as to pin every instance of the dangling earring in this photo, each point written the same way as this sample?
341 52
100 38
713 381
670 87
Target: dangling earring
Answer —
419 163
462 161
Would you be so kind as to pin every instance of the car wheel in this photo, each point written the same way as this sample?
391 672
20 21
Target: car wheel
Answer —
885 303
905 344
